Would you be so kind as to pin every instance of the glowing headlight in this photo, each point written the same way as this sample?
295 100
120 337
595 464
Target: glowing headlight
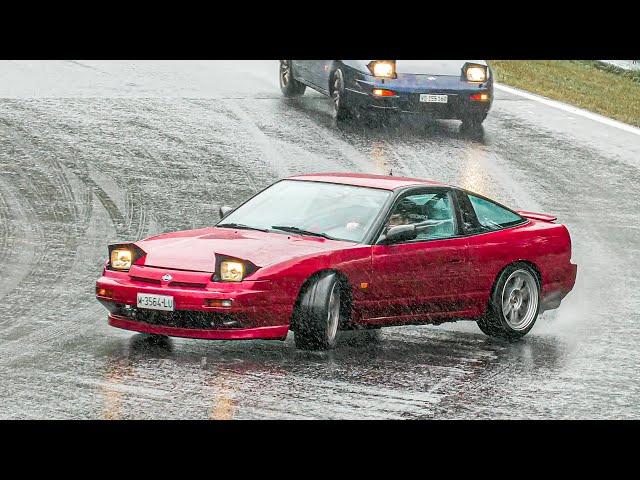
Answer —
121 259
383 68
476 74
231 271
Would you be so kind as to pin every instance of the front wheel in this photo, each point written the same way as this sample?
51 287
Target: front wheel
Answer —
289 86
341 110
318 314
156 338
514 305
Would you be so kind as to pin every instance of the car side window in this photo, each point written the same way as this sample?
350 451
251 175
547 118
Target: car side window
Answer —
492 216
432 213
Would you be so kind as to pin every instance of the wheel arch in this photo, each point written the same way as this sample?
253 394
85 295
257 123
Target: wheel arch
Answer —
529 263
347 71
346 296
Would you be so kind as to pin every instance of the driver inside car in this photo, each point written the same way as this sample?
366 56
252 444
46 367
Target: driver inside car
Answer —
397 219
402 213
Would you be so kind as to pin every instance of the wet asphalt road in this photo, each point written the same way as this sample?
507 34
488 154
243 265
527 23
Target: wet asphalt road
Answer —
92 152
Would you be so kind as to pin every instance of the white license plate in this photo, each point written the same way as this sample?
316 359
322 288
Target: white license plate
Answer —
425 97
155 302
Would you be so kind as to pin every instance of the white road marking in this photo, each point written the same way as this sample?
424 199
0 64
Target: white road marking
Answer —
569 108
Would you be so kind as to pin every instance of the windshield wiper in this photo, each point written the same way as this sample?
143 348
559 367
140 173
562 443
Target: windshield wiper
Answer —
241 226
301 231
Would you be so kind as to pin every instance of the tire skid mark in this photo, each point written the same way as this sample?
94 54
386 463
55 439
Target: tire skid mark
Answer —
124 225
30 140
323 147
271 152
80 311
7 230
152 154
24 247
115 215
79 168
70 327
72 234
222 108
40 206
133 221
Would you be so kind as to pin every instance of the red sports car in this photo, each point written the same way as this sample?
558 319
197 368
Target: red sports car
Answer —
323 252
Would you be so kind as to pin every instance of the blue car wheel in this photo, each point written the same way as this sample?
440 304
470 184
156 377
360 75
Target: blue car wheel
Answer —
341 110
289 86
473 119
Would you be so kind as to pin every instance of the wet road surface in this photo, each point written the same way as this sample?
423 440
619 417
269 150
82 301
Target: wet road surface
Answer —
93 152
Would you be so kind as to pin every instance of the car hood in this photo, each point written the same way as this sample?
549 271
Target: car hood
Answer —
195 250
433 67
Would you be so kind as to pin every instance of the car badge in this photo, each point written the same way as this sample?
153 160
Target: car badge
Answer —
431 78
167 278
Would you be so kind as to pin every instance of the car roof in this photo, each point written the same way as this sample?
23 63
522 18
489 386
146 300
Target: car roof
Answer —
385 182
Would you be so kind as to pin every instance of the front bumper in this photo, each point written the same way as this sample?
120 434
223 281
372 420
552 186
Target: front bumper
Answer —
408 88
277 332
457 107
257 311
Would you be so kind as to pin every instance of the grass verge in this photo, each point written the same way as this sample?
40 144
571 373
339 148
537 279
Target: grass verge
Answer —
584 84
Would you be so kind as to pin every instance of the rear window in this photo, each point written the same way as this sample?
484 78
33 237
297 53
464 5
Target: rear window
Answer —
493 216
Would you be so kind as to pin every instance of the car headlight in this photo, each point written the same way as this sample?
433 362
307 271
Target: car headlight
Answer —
231 271
476 73
121 258
383 68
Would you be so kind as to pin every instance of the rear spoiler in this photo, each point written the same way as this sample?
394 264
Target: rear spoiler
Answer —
537 216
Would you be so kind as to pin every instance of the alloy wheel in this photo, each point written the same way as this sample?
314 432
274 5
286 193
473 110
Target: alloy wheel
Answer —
520 300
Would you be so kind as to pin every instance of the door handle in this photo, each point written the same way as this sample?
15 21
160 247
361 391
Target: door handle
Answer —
454 260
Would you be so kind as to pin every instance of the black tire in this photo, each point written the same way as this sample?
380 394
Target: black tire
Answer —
509 300
289 86
156 338
473 121
315 320
341 111
148 341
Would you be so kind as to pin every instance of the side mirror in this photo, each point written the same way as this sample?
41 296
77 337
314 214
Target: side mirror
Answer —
401 233
224 211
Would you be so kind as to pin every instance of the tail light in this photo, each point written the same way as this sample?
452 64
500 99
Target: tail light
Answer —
480 97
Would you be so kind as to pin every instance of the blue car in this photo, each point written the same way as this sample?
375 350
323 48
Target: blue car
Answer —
445 89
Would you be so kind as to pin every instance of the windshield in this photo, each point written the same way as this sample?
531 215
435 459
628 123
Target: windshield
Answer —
342 212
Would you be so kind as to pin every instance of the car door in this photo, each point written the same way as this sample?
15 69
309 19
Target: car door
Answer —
315 72
320 71
426 276
302 70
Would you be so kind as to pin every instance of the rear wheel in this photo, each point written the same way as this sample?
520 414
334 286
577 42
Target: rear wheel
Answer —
473 120
289 86
514 305
317 317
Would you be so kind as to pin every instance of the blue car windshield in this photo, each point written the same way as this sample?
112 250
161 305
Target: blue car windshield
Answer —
341 212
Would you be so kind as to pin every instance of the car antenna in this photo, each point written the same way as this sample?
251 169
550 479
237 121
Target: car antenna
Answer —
391 172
